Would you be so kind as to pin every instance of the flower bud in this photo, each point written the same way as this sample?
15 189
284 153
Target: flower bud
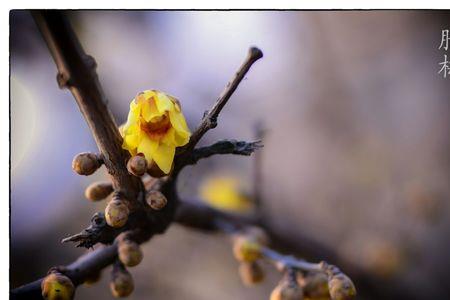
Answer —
314 285
257 234
123 237
156 200
246 250
92 278
56 286
286 290
130 253
116 213
137 165
98 190
341 287
121 284
154 171
86 163
251 273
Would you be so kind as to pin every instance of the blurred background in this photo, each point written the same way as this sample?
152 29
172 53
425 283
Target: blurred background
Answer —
356 155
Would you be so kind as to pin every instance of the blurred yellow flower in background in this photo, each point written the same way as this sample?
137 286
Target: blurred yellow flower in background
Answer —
155 127
225 193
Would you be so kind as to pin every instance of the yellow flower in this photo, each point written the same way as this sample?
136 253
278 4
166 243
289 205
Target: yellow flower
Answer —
224 193
155 127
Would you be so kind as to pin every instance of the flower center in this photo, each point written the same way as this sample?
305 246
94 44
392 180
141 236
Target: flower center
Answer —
157 127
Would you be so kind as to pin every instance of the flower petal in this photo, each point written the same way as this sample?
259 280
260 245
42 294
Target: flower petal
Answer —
149 110
180 140
148 94
169 137
147 146
179 123
131 136
131 141
133 114
163 102
163 157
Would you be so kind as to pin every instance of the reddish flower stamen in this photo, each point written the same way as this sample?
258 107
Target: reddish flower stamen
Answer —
156 130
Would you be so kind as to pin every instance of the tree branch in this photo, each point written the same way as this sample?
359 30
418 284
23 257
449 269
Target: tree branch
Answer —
209 120
76 71
222 147
78 271
199 216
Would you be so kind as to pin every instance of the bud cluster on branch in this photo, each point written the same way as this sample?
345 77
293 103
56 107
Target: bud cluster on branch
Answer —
301 279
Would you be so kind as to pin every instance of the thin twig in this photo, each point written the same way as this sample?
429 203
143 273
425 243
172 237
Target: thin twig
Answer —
223 147
289 261
209 120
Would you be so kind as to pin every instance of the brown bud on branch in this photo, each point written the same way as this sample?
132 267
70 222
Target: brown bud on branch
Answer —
340 285
257 234
121 284
286 290
116 213
156 200
98 190
314 285
130 253
57 286
246 250
251 273
86 163
137 165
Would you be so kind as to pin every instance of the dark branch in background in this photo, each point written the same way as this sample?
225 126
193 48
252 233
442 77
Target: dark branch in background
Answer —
257 174
200 216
